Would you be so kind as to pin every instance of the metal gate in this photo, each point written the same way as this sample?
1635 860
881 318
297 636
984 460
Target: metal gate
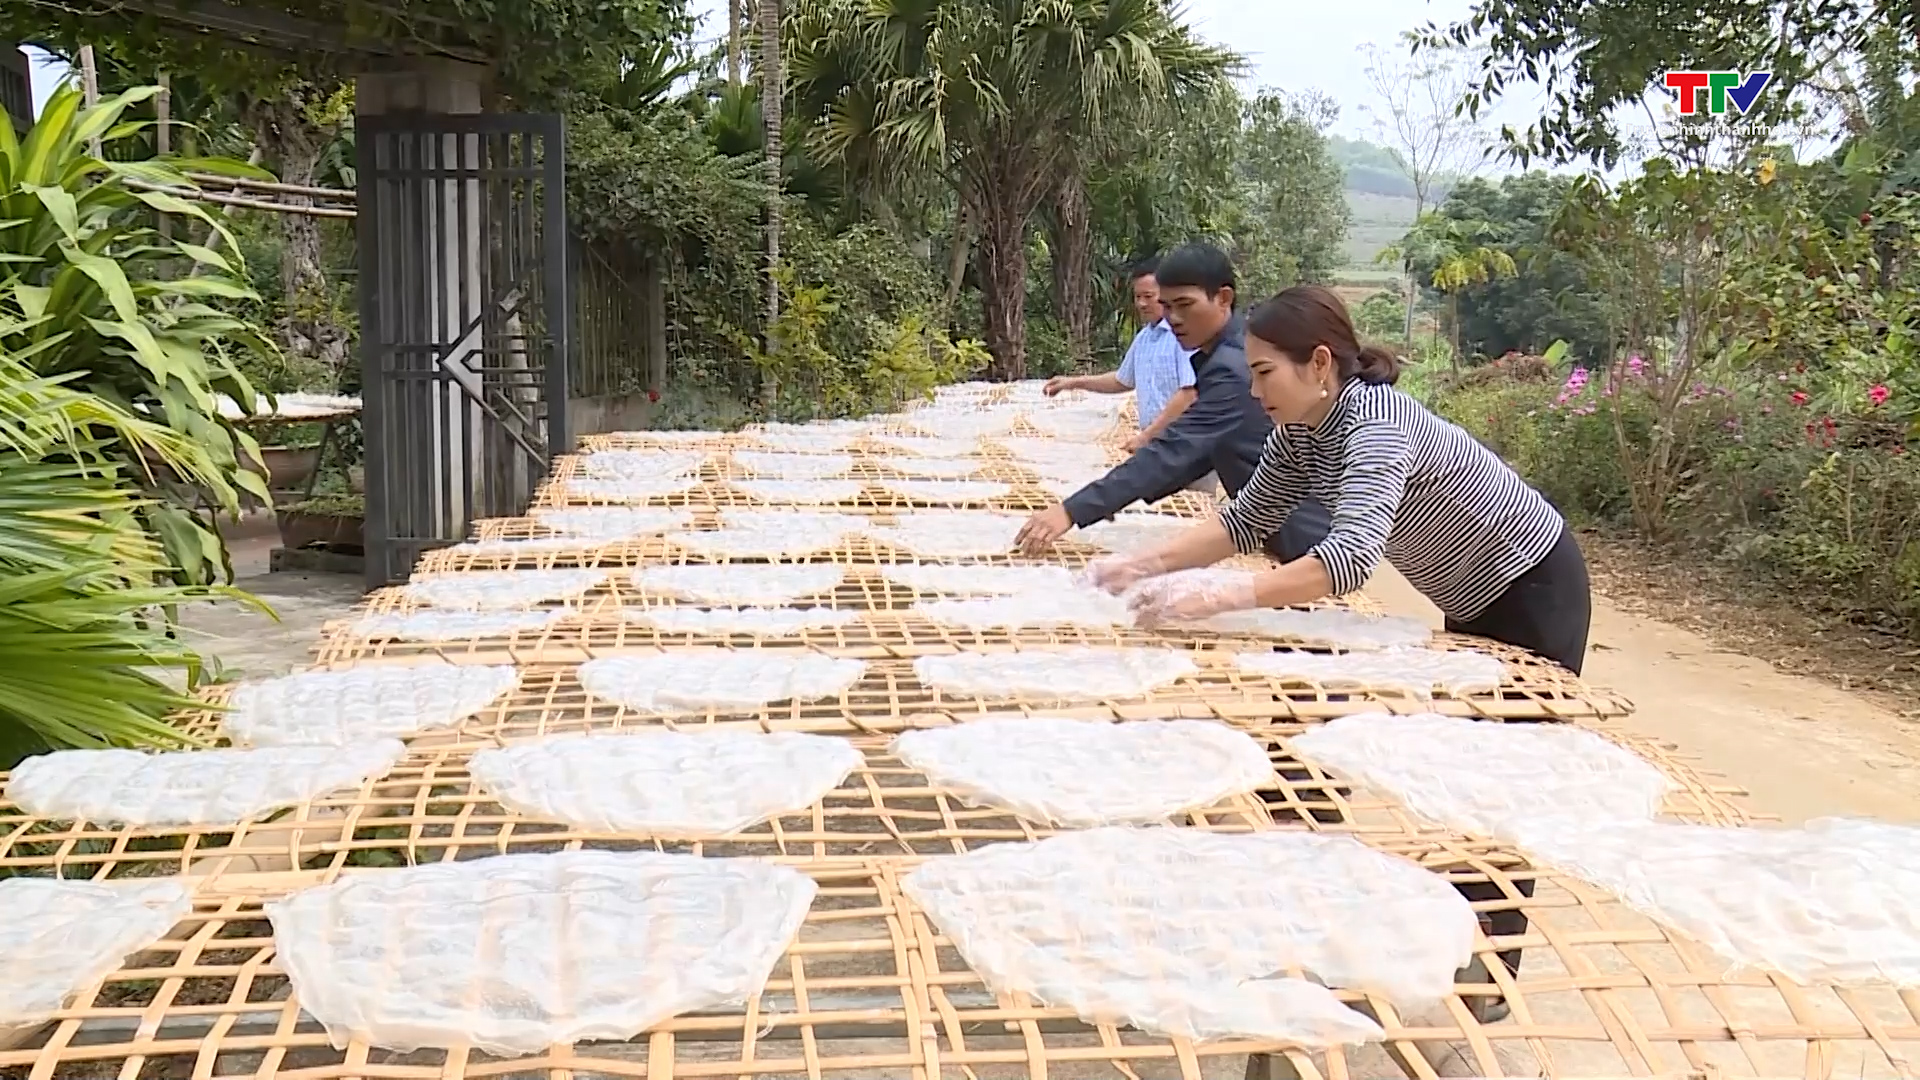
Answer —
464 323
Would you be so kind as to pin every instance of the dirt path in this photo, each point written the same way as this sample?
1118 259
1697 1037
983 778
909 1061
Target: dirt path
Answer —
1802 748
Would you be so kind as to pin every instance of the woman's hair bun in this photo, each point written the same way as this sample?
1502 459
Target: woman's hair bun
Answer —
1377 365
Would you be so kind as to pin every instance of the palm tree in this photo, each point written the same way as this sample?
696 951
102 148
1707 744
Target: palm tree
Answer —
772 96
1457 251
990 95
735 15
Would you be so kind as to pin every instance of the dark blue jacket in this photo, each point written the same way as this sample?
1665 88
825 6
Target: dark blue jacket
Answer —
1221 432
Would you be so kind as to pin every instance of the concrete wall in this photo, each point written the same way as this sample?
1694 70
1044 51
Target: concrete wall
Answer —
597 415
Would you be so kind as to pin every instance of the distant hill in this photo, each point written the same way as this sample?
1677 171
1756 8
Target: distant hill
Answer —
1379 195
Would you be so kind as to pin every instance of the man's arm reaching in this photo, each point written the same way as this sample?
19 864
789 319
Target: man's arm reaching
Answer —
1180 455
1107 382
1179 403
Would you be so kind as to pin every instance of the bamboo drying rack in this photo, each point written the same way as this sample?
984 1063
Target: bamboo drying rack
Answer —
870 988
429 809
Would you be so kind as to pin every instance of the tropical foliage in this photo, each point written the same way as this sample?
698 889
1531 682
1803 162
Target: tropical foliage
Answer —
95 294
994 98
85 634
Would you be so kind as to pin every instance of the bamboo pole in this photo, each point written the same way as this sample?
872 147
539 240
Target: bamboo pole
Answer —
90 90
163 137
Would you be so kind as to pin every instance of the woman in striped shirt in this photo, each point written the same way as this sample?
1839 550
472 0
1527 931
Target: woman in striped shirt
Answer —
1403 485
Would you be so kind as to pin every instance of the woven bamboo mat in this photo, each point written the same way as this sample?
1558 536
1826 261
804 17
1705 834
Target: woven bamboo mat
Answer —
870 988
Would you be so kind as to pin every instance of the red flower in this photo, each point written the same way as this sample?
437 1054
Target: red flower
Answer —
1866 219
1878 394
1798 397
653 395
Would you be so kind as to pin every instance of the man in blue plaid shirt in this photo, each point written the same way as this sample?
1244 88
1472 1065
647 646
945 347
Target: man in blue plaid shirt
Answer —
1156 368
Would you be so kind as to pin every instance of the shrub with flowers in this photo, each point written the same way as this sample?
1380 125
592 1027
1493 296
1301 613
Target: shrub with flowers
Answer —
1765 391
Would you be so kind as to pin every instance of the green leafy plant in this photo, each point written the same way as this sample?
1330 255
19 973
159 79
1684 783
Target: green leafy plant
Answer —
95 295
85 628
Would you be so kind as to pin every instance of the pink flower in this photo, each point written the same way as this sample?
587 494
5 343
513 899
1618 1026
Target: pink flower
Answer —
1636 367
1798 397
1879 394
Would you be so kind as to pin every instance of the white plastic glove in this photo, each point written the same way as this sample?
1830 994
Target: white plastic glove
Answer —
1190 596
1115 574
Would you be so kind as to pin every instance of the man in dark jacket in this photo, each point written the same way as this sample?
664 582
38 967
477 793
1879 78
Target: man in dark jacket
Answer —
1221 432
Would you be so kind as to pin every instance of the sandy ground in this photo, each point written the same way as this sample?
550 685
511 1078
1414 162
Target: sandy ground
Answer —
1801 747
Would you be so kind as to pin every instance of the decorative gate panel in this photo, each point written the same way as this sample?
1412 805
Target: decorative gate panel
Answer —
464 323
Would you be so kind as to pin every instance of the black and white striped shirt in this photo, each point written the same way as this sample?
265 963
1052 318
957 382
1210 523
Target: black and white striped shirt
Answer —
1403 483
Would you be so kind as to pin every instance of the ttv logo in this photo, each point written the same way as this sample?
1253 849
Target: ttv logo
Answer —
1740 89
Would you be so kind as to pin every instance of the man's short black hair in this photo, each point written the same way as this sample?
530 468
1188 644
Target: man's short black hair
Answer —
1196 265
1147 267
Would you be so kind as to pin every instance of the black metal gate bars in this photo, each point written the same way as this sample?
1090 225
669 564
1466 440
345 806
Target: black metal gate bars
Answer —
463 323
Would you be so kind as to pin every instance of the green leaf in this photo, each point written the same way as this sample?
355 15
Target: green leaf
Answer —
112 281
32 299
203 287
97 121
173 204
200 253
61 206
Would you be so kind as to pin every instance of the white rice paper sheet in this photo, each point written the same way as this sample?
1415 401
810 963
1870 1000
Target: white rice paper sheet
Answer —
534 546
437 626
501 590
771 585
756 622
966 423
1055 675
361 704
61 936
516 953
642 464
1190 934
1132 534
1077 607
1830 903
807 440
701 680
1486 777
191 787
801 492
772 534
763 465
933 468
1416 672
665 784
627 489
1081 774
613 522
1056 455
979 580
946 492
1329 628
951 534
930 447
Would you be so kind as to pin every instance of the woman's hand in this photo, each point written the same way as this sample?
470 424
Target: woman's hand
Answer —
1191 595
1116 574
